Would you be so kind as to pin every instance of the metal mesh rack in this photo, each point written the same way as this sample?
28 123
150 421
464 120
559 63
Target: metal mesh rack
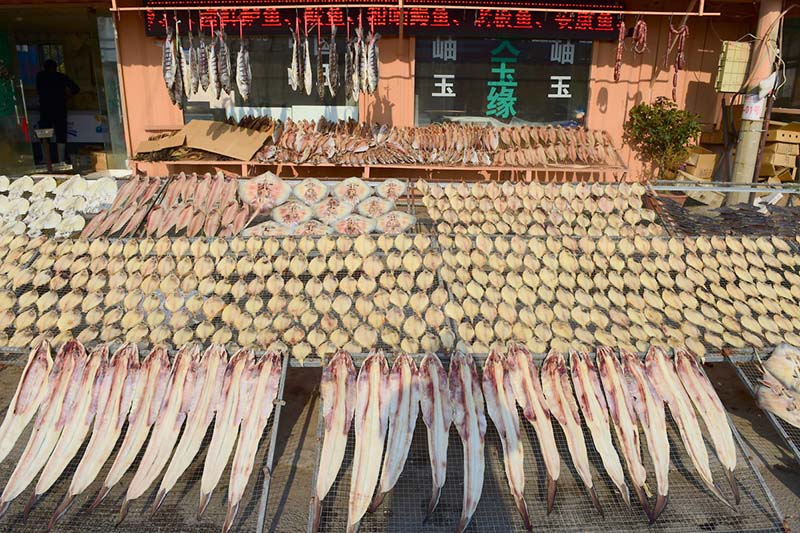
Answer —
179 510
690 508
749 371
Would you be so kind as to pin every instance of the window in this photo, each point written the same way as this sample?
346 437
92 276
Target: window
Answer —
504 80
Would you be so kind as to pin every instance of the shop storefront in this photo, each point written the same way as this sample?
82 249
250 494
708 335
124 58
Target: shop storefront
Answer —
80 41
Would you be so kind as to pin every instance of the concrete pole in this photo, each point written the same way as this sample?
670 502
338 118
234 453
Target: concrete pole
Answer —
762 59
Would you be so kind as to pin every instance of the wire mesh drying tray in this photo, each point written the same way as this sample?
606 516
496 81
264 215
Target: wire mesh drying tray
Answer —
749 371
691 507
178 513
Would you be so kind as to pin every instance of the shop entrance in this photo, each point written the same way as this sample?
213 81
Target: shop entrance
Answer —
59 73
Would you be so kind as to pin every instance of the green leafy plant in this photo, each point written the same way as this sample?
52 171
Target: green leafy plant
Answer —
660 133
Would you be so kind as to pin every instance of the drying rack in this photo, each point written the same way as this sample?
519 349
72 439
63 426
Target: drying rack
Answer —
749 371
691 507
179 510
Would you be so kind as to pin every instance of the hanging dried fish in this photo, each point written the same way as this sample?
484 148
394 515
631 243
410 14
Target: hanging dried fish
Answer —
213 66
320 71
333 63
194 66
363 48
293 72
203 64
348 69
223 62
168 63
373 69
355 80
243 73
307 73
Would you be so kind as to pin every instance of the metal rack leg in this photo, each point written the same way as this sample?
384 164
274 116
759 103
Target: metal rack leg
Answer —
262 504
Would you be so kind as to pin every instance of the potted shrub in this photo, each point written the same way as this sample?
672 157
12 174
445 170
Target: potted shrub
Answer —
660 133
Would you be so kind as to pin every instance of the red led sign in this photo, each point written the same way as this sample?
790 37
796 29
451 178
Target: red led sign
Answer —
386 20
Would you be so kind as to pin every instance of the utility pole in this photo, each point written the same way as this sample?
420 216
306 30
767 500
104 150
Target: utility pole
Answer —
762 59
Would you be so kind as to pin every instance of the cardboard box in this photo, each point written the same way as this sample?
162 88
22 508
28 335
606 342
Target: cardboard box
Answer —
709 198
779 160
99 160
712 137
782 148
790 133
687 176
700 162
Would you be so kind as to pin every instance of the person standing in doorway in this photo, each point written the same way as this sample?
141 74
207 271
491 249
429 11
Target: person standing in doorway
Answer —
53 88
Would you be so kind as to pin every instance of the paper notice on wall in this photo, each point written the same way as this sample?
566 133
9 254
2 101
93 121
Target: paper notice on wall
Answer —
753 108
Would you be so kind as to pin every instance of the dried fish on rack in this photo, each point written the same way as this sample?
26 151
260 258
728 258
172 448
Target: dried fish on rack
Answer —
437 414
593 405
664 378
203 64
79 410
167 427
146 401
561 401
261 391
32 390
210 373
49 422
528 392
623 418
226 424
371 417
467 401
321 83
338 392
649 408
497 391
403 398
711 410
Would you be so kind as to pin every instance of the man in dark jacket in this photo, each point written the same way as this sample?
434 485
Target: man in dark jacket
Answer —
53 88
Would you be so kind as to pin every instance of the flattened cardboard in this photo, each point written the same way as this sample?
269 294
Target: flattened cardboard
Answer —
237 143
171 141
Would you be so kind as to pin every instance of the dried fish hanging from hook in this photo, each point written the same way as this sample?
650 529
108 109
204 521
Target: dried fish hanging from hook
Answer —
333 63
348 60
194 58
176 95
168 63
243 73
202 63
320 68
223 60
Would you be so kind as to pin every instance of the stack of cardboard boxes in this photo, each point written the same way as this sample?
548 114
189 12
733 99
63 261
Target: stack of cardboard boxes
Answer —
779 160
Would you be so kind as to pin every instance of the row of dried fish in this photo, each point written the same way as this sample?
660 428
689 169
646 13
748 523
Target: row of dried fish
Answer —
43 205
438 144
539 209
195 204
715 292
622 393
353 206
77 392
778 391
128 210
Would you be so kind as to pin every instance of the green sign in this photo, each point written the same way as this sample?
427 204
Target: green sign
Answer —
501 101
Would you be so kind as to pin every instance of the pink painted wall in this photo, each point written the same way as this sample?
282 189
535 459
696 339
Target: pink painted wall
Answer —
644 77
